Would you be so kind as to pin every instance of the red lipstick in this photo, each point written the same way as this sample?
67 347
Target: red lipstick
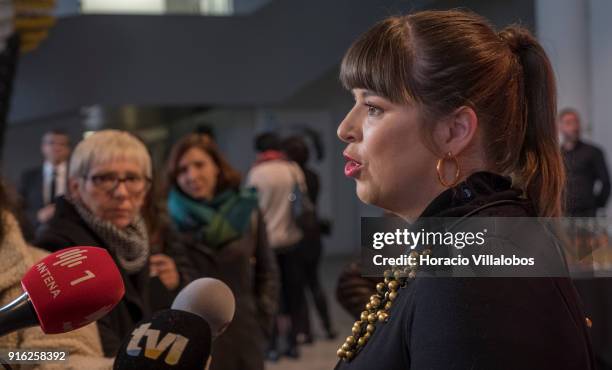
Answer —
352 167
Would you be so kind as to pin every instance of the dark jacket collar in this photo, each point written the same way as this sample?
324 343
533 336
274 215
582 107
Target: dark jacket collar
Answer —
68 223
65 209
479 189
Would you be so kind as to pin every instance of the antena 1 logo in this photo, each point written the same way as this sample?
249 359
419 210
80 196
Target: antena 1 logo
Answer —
72 258
69 259
155 347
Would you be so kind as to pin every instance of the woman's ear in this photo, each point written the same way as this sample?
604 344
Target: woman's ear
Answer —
73 187
457 130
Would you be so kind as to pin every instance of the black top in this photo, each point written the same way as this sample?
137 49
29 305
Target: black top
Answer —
480 323
67 229
585 166
312 184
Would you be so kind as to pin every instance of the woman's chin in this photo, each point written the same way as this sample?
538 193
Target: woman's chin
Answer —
121 222
365 194
198 194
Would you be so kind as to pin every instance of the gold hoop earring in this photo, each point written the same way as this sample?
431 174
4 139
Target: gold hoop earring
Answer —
439 165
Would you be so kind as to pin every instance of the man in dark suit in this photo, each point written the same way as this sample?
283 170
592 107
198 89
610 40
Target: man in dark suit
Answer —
39 186
586 168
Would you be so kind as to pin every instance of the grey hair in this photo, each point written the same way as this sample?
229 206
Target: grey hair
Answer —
106 146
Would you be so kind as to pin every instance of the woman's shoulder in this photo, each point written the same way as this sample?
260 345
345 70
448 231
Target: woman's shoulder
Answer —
61 234
65 229
487 303
516 207
462 316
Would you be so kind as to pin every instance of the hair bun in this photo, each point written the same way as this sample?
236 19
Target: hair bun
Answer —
518 38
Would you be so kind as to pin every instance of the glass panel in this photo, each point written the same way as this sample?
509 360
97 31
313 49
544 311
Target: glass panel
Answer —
160 7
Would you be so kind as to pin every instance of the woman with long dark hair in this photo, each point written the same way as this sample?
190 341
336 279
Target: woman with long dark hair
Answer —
453 119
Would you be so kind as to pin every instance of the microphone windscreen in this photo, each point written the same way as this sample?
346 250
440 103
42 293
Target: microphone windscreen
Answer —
209 298
171 339
73 287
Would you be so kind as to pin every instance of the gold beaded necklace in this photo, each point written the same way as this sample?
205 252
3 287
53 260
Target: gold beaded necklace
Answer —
377 310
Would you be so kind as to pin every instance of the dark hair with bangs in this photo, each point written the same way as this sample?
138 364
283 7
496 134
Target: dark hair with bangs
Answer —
443 60
379 61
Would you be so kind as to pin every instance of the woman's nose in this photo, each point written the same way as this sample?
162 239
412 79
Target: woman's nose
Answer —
121 190
349 129
191 172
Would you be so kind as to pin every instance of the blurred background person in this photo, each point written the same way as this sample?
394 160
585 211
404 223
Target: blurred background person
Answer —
38 187
353 290
168 253
587 190
296 149
16 258
225 237
586 168
107 192
275 177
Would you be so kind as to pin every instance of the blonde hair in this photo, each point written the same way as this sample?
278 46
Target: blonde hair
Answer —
107 146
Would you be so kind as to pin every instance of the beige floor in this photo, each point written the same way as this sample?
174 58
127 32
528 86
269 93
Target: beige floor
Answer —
321 355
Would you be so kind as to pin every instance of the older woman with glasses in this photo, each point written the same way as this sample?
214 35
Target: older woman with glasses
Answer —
109 177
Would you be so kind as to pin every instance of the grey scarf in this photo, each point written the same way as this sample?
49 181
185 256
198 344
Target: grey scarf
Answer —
130 245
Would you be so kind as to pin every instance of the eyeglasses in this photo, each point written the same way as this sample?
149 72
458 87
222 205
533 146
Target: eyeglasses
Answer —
134 184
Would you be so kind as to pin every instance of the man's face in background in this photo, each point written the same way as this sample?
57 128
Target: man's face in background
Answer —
569 127
55 148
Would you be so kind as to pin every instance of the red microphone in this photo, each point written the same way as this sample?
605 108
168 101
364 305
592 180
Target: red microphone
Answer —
64 291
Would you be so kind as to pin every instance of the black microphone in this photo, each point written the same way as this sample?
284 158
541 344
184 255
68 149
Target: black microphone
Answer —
170 339
180 338
17 315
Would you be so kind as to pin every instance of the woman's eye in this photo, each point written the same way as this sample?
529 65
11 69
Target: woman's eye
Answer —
106 178
373 111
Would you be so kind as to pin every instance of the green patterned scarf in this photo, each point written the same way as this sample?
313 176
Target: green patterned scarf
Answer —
217 222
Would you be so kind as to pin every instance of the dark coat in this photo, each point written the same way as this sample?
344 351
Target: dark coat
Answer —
247 266
68 229
31 192
480 323
585 166
168 242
